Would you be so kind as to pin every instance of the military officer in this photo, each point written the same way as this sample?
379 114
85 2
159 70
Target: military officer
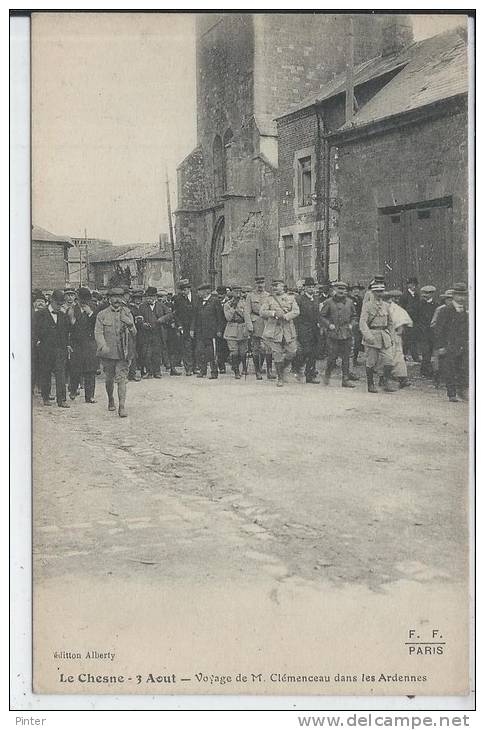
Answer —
255 325
338 317
115 334
375 325
236 331
279 310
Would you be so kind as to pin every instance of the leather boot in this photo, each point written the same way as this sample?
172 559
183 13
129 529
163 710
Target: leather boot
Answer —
300 375
389 386
235 366
257 366
122 399
279 371
371 388
269 368
109 390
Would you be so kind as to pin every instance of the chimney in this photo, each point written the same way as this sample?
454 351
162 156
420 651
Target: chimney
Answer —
397 33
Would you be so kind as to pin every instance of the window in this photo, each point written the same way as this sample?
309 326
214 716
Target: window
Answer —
304 181
226 153
333 267
306 251
217 163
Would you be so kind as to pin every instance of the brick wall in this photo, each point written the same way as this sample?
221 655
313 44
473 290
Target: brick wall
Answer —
48 265
419 162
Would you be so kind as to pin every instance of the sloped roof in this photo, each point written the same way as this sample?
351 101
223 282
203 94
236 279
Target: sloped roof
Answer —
95 250
40 234
435 49
266 124
143 251
437 70
110 253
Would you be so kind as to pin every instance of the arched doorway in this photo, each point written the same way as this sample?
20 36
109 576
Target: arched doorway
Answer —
217 247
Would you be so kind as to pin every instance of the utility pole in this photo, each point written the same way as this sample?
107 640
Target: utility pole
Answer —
170 233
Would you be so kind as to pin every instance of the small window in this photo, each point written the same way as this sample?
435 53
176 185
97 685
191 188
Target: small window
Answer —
424 214
396 218
305 181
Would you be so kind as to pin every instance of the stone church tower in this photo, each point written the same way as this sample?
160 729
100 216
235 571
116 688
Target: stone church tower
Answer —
250 69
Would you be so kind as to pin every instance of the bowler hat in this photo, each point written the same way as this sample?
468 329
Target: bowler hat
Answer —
116 291
150 291
460 288
37 294
204 287
308 281
221 290
84 293
58 296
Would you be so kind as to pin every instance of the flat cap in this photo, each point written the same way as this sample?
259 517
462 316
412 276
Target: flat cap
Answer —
460 288
151 291
428 289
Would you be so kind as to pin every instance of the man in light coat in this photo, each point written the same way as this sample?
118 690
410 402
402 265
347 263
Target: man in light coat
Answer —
279 310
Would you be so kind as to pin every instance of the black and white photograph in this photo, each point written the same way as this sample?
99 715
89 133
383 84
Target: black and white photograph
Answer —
252 353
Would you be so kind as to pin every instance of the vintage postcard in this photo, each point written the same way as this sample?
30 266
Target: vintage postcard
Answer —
251 294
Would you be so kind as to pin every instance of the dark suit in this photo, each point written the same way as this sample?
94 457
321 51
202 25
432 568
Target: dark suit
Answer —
308 334
208 320
451 332
410 338
151 338
425 334
169 334
183 310
51 340
85 363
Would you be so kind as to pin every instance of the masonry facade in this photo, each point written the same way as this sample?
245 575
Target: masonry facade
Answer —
250 68
387 190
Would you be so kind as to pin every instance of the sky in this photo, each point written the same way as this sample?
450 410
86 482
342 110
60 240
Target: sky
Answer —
113 108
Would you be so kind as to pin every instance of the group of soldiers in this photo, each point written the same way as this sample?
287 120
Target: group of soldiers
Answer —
130 334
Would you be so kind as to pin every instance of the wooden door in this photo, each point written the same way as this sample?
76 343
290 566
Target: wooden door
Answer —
392 248
429 233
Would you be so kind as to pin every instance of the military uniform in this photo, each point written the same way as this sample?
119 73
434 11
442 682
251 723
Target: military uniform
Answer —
279 334
236 332
338 316
255 324
376 325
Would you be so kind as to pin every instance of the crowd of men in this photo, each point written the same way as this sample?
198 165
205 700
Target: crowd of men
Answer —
133 334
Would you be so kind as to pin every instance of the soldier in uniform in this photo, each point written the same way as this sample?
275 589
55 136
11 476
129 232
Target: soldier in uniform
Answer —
308 333
222 349
255 325
375 325
236 331
451 331
115 334
208 323
183 308
338 316
279 310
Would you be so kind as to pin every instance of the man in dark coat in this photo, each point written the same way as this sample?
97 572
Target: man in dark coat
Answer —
51 327
134 307
410 301
183 309
308 333
82 339
422 324
151 337
75 357
169 333
208 323
451 333
338 318
357 296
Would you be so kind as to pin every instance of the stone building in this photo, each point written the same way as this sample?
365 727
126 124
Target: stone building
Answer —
49 259
148 264
251 68
386 189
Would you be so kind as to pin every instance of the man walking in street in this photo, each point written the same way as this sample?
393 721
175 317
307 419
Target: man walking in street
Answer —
208 323
308 333
422 324
151 312
222 349
338 317
279 335
375 325
451 332
51 327
236 332
410 302
115 334
255 325
183 308
357 296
